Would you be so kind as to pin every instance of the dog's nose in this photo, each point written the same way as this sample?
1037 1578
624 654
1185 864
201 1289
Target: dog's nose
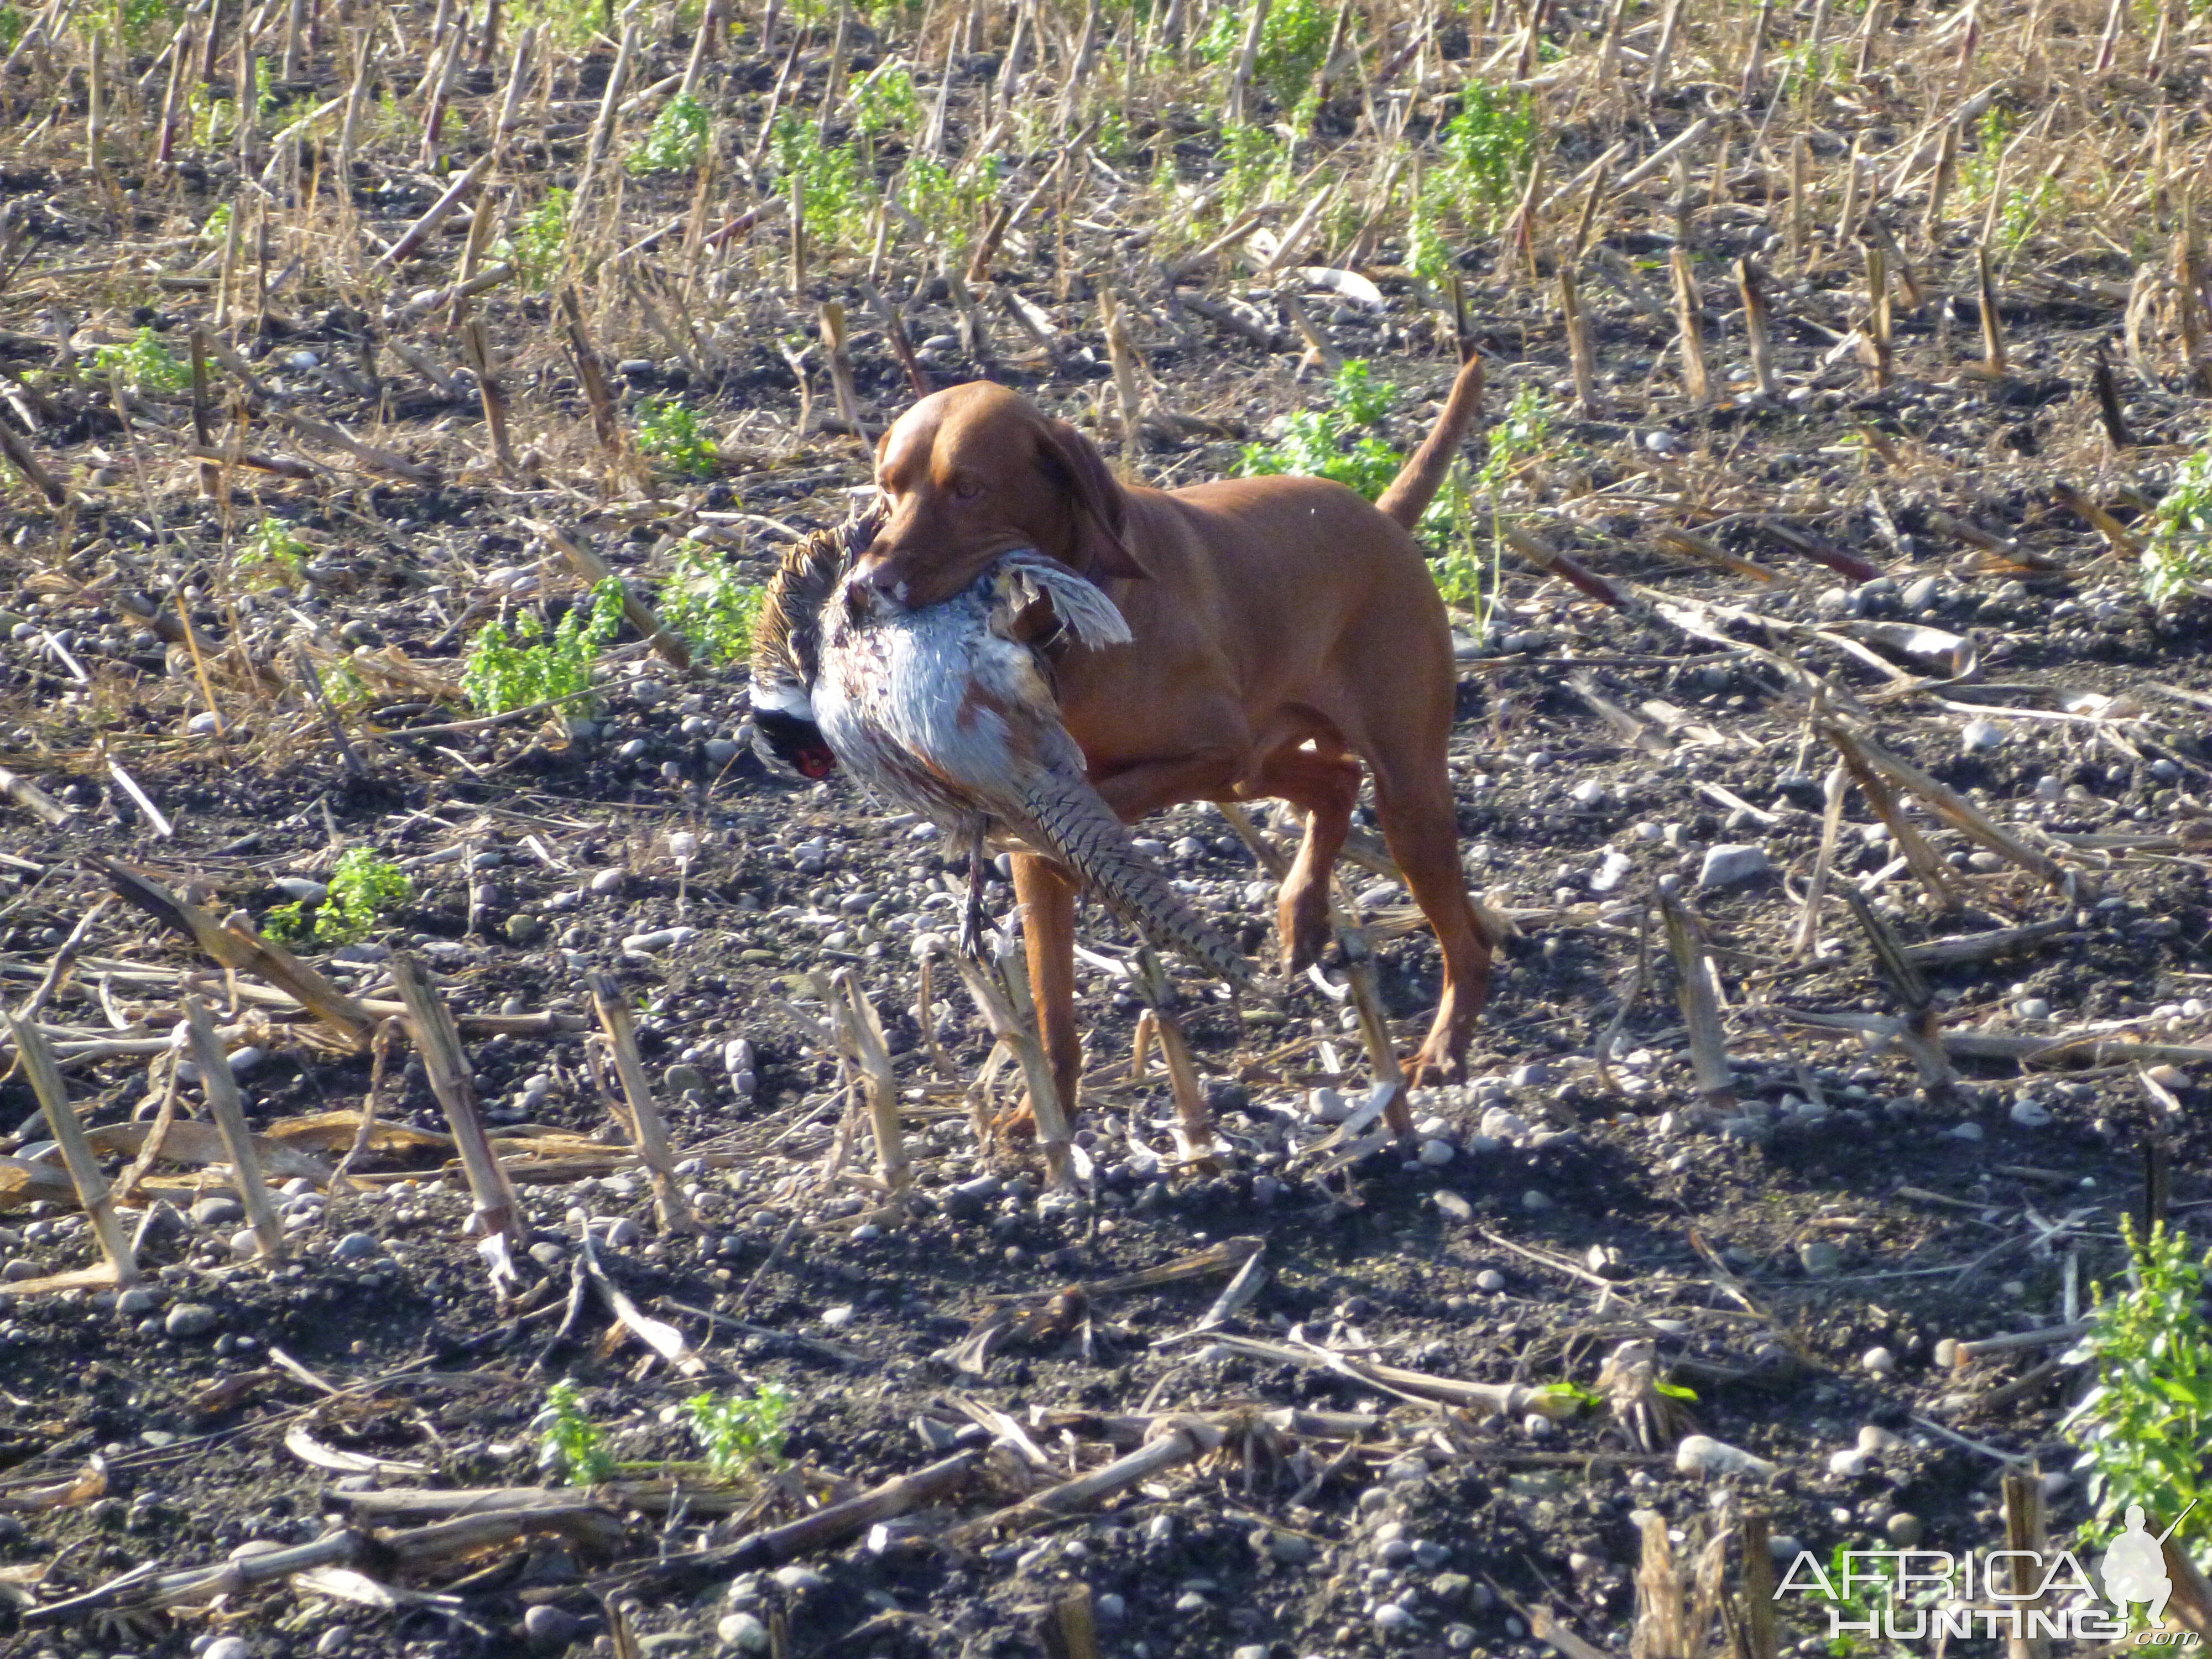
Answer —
885 579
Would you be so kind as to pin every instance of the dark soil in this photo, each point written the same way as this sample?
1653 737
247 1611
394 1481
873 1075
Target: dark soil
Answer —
1796 1254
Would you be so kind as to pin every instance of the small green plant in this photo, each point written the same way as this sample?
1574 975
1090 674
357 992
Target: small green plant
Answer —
2180 554
837 196
1487 145
946 204
669 432
705 604
1252 158
145 362
1524 433
1873 1584
2143 1429
741 1432
273 551
216 225
1336 442
1292 41
570 1445
503 671
364 888
677 139
11 26
886 102
570 22
539 242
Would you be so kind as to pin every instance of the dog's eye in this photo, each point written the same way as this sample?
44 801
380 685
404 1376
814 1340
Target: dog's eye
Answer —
967 489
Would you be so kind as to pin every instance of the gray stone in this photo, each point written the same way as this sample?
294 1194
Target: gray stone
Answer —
1819 1258
523 928
190 1319
333 1640
681 1079
228 1647
801 1580
551 1628
720 752
222 1211
1732 865
742 1631
1904 1530
137 1302
356 1247
609 881
1111 1609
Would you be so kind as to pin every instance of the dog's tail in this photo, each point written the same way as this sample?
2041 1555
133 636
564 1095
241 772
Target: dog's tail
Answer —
1418 480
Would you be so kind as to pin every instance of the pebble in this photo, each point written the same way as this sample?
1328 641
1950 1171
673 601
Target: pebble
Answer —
522 929
1588 793
300 887
838 1317
137 1302
1287 1547
742 1632
1702 1455
1966 1132
1979 735
548 1254
190 1319
609 881
551 1628
1732 866
681 1079
1393 1618
356 1247
1490 1281
801 1580
1191 1601
1880 1361
2029 1113
1919 596
221 1212
1411 1467
1249 1650
720 752
1947 1353
333 1640
1819 1258
228 1647
1611 871
1904 1529
1111 1609
1435 1153
2032 1008
665 939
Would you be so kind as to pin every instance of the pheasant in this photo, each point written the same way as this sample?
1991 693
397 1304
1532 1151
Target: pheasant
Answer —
949 711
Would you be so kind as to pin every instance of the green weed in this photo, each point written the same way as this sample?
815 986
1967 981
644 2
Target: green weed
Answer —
886 102
2143 1429
539 244
503 671
364 888
668 431
12 24
145 363
1292 42
1524 433
273 553
570 22
570 1445
677 139
739 1432
1334 442
2180 554
703 602
947 204
1487 147
837 194
1252 159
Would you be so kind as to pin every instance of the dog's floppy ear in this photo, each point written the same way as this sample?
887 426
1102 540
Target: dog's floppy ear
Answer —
1101 509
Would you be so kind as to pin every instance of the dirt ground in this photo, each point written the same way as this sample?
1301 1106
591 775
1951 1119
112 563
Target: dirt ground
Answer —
1795 1250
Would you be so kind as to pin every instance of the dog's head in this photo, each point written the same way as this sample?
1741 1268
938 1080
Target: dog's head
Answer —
974 472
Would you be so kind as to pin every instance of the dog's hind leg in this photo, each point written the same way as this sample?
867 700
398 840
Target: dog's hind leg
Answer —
1414 800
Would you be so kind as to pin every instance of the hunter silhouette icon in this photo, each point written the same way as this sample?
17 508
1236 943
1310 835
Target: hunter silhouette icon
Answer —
2134 1568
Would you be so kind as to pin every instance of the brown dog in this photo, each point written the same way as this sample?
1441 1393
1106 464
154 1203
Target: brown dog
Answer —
1281 625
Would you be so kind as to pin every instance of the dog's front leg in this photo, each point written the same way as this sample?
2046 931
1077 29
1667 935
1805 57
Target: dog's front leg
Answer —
1047 900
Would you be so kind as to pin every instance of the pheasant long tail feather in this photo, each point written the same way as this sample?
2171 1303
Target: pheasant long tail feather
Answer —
1083 832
